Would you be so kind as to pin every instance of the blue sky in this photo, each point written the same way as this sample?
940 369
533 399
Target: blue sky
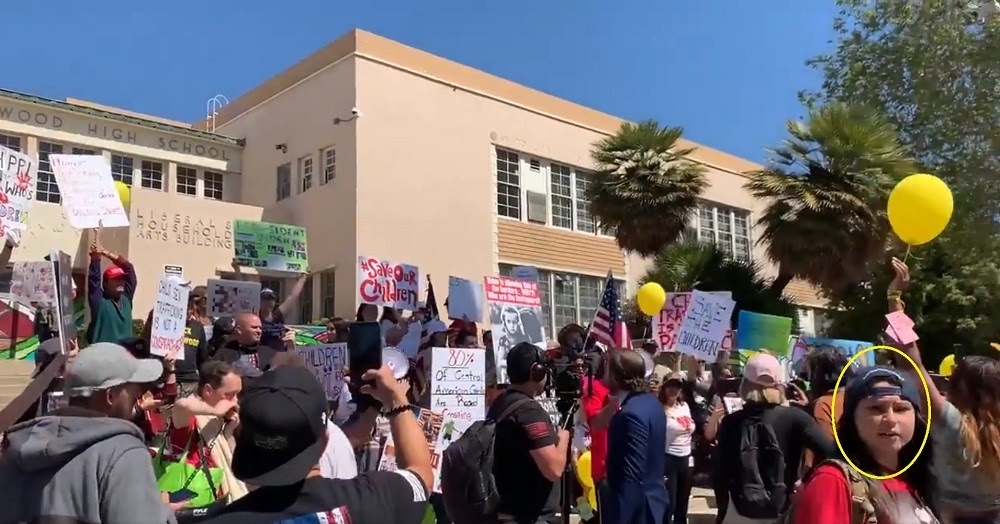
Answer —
727 71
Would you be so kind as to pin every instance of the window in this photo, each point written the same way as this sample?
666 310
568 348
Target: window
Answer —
584 220
306 302
284 181
187 181
562 196
122 168
508 185
213 185
83 151
306 173
151 176
329 164
727 227
568 205
567 297
48 190
11 142
327 286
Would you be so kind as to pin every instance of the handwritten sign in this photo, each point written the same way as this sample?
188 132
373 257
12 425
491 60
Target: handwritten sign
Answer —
231 297
89 197
512 291
705 325
327 362
667 324
18 175
276 247
458 383
431 423
169 318
34 283
386 283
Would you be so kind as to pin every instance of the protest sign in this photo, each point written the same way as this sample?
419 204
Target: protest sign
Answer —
18 176
386 283
89 197
169 318
63 264
431 423
458 383
466 300
230 297
327 362
757 331
849 348
34 283
276 247
901 328
705 324
515 317
667 324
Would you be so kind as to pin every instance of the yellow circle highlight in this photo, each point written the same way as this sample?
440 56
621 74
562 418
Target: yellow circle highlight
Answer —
833 421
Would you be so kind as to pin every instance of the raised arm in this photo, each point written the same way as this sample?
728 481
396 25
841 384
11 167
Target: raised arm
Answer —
238 271
899 283
293 296
95 282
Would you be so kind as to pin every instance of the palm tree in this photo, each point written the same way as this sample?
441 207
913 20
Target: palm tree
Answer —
645 190
827 186
704 266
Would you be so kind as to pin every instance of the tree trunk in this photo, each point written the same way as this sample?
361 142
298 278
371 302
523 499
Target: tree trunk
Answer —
781 282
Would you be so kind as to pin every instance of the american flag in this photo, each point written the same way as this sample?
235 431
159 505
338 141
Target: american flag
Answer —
608 327
431 310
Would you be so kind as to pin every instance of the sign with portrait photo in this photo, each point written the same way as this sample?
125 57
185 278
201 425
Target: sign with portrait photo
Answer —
515 317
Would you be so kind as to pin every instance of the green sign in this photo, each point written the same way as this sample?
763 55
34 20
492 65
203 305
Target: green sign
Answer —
277 247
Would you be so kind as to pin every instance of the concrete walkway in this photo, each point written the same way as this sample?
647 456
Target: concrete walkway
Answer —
701 508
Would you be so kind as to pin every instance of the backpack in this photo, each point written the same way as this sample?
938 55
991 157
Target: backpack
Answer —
862 509
757 487
468 488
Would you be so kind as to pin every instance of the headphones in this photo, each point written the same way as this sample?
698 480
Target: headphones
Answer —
538 370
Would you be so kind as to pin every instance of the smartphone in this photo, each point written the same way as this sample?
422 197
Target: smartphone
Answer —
181 496
364 349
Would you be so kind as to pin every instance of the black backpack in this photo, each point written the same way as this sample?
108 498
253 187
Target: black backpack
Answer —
757 488
467 484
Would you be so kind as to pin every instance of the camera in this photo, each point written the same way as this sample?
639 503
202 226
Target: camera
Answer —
566 380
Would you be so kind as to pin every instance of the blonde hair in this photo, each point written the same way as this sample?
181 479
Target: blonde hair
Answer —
975 391
757 394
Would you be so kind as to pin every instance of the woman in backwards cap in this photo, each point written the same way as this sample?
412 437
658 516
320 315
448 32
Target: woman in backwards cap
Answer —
881 431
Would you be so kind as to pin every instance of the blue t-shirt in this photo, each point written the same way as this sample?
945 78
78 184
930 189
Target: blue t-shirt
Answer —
272 330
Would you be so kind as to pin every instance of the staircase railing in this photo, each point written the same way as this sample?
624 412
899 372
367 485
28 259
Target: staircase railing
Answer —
34 391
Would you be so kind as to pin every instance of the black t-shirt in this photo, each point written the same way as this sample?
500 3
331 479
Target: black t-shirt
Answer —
524 492
382 497
795 430
259 356
195 352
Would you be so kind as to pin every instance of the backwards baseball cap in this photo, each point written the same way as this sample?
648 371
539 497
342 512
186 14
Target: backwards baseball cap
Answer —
113 272
268 293
764 370
105 365
863 386
282 425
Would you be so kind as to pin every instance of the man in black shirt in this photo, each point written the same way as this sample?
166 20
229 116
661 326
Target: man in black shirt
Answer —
282 435
244 344
529 454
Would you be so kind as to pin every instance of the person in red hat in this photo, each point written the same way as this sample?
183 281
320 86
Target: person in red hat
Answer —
109 296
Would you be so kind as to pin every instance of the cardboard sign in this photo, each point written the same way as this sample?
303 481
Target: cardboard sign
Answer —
386 283
169 318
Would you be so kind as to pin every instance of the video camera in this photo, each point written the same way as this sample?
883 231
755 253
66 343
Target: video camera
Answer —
566 378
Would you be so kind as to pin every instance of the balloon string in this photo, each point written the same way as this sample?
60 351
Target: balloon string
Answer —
907 255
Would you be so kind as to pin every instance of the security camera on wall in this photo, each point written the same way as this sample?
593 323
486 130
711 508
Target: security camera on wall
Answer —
355 112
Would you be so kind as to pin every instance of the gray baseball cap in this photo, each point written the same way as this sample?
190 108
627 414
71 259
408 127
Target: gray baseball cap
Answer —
104 365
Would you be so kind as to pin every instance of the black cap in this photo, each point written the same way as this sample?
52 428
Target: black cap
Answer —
223 326
282 425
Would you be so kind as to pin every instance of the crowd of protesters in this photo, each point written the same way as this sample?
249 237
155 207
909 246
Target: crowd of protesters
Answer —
238 429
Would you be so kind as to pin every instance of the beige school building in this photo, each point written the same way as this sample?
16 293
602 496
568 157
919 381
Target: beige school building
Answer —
377 149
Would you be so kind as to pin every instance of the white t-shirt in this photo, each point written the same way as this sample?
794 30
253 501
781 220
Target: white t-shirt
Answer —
338 460
680 427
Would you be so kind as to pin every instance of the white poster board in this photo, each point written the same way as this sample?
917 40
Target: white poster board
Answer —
231 297
458 383
466 300
387 283
18 178
89 197
327 362
34 283
705 325
169 318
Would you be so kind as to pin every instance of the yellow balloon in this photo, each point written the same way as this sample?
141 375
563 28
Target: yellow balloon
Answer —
583 473
920 207
947 366
124 193
651 298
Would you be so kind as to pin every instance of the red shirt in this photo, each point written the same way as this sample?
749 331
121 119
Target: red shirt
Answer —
826 497
178 437
591 405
